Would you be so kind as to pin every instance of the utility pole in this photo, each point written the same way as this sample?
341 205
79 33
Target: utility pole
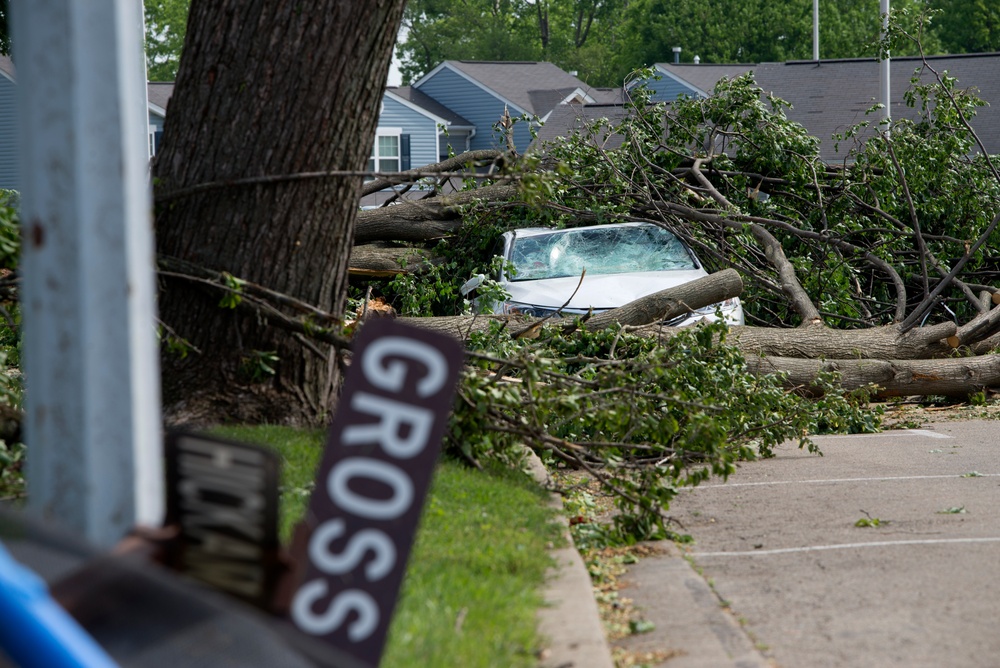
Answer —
92 420
884 90
816 30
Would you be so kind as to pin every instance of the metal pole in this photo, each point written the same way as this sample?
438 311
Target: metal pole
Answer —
90 355
816 30
884 92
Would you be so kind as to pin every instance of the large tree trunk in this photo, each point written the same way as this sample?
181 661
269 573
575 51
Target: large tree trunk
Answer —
959 376
264 89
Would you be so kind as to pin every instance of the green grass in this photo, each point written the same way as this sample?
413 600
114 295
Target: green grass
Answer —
474 579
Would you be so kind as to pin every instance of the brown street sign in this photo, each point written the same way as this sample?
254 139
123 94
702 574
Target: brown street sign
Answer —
380 455
224 498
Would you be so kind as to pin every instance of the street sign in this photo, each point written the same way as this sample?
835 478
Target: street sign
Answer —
379 459
224 498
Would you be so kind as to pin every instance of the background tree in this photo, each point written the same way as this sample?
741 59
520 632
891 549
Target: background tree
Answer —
439 30
4 29
266 89
166 23
578 35
968 26
755 31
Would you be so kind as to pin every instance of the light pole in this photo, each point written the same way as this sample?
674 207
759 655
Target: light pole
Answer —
816 30
884 70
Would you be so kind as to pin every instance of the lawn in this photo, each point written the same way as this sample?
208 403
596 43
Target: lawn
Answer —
473 584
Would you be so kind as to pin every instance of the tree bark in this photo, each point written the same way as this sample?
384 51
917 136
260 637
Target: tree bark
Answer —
465 161
817 341
266 89
426 219
894 378
672 302
383 259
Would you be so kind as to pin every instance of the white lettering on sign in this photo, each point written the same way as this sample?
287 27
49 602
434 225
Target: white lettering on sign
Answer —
346 601
391 376
338 486
360 543
386 432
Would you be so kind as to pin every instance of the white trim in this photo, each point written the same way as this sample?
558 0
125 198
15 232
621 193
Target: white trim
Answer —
447 64
157 109
578 92
376 157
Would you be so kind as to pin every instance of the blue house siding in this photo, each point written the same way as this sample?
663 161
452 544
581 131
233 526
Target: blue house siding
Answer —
481 108
8 134
668 89
422 130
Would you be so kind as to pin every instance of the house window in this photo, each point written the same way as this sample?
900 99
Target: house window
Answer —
385 155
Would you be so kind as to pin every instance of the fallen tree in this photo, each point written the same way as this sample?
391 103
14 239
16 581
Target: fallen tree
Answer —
878 258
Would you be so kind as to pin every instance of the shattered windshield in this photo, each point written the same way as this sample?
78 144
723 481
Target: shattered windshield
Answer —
606 250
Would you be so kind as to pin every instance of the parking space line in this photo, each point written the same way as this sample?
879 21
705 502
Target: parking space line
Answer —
845 546
927 433
828 481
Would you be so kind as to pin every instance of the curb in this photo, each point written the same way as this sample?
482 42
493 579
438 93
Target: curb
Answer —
689 619
569 621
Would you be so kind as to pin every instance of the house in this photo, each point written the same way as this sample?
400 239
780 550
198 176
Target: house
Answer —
415 130
157 93
689 79
585 118
467 99
830 96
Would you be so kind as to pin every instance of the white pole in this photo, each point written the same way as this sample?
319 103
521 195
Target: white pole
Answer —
816 30
884 92
92 421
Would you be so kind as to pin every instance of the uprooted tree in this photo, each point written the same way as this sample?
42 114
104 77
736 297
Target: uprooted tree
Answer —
873 275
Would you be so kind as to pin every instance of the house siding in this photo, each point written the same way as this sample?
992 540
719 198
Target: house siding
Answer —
481 108
8 134
422 131
668 89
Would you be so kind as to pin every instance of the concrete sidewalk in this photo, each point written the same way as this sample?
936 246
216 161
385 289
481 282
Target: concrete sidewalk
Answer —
780 575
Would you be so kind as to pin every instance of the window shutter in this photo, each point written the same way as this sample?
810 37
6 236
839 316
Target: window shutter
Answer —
404 152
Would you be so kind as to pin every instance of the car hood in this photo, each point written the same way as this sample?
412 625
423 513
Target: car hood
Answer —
598 292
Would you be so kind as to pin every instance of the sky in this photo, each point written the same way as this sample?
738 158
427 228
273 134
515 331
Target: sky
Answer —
395 78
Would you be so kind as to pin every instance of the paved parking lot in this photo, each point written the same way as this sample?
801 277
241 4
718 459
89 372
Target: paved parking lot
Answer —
779 544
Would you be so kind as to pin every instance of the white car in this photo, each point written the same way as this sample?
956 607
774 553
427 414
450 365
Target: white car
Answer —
624 261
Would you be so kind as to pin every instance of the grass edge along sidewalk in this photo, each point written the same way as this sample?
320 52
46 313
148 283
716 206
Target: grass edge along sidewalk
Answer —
475 579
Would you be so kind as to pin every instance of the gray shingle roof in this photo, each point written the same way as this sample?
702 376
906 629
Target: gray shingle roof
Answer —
528 84
830 96
704 76
7 67
411 94
569 117
159 92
